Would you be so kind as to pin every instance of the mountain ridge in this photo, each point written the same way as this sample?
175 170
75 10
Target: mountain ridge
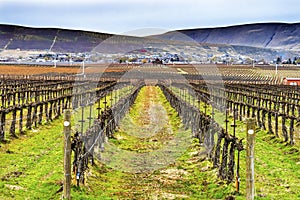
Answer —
203 41
264 35
28 38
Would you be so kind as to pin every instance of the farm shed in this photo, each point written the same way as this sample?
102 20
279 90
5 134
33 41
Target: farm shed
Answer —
291 81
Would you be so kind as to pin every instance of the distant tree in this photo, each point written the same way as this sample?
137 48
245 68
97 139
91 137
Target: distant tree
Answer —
296 60
279 60
157 61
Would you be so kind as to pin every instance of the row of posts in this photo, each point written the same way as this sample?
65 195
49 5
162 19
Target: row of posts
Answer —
250 133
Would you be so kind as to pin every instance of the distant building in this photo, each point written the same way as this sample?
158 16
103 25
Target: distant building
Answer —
291 81
40 60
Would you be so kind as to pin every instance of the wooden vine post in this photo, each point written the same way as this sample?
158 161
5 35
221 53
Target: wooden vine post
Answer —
67 155
250 159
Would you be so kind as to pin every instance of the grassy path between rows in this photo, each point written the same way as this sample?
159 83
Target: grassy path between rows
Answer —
151 125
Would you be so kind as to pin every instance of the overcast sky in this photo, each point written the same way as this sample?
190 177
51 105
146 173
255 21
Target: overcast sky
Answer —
122 16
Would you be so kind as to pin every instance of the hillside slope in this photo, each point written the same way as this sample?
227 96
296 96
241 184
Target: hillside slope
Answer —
264 35
60 40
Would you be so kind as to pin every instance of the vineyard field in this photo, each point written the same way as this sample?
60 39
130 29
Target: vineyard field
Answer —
148 132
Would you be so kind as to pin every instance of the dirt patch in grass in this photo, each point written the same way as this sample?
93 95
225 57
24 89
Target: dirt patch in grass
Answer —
11 175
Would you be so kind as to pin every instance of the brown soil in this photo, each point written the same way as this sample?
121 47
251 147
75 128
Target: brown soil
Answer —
75 69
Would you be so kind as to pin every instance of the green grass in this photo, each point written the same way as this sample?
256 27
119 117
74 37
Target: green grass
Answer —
33 163
277 168
77 114
184 178
31 167
277 164
149 118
